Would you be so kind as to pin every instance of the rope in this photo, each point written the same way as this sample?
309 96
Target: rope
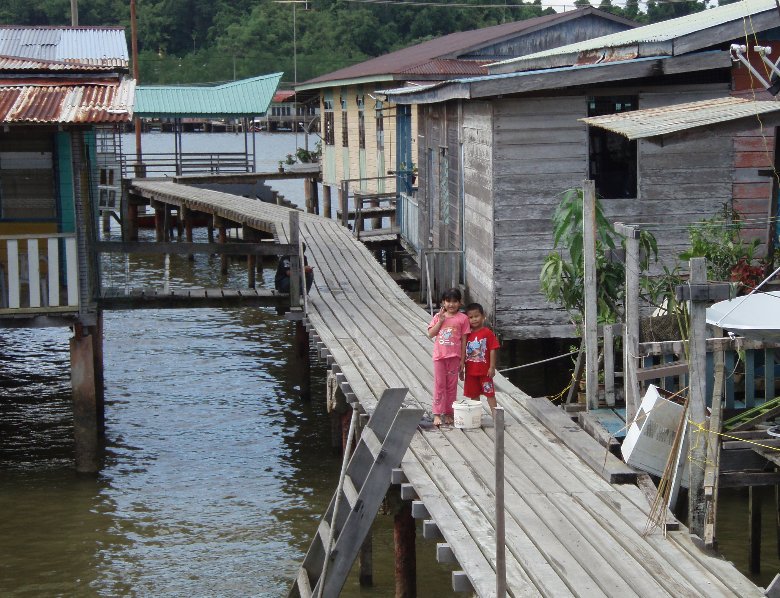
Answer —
528 365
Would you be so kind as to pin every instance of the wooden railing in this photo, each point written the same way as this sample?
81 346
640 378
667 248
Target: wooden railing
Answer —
38 273
191 163
440 270
408 214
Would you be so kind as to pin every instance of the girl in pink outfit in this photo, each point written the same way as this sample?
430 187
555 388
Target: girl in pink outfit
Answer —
450 327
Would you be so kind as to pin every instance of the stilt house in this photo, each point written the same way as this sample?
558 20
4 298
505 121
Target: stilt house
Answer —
497 151
58 85
365 137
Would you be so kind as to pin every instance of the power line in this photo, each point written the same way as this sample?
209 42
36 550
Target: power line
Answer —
572 5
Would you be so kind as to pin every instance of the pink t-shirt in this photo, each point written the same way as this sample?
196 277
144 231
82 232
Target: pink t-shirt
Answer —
448 342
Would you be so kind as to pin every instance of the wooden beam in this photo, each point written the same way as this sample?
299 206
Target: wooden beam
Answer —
184 248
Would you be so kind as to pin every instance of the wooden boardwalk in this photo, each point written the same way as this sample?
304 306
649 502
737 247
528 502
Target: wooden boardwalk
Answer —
570 532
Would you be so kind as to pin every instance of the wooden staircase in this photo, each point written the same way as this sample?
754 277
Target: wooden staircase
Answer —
357 500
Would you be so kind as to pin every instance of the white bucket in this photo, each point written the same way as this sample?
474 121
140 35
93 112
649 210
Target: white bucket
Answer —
468 414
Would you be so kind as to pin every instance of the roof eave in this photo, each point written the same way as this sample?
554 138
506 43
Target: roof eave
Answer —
527 82
699 40
351 81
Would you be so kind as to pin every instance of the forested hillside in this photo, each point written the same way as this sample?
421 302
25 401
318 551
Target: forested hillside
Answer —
184 41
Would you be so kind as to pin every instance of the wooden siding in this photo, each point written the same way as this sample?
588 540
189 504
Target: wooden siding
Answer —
540 150
352 162
561 34
679 184
477 132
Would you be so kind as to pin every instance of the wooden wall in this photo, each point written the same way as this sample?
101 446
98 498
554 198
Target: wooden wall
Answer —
352 162
478 180
540 150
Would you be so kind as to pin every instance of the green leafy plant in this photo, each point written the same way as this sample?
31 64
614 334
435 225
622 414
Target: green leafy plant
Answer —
563 271
729 257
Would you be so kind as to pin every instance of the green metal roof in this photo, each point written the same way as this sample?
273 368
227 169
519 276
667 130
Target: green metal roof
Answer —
247 97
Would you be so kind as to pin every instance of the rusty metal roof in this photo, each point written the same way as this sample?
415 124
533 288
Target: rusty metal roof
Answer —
66 100
666 120
33 65
439 58
96 46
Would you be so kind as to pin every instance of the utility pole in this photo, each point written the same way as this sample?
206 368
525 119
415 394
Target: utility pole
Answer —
74 13
134 45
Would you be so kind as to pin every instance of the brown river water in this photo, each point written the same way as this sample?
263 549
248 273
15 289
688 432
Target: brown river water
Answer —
215 474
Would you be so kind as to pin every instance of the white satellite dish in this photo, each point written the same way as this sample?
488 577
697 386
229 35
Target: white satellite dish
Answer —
755 316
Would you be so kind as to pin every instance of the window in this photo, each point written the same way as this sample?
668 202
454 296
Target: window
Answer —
344 129
361 122
27 186
328 124
612 157
380 127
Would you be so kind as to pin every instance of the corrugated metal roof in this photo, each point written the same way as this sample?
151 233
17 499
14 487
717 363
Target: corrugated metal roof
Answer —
283 96
653 122
248 97
657 33
413 60
443 66
104 46
66 101
15 63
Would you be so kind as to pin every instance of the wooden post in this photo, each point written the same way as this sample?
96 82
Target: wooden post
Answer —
498 418
304 365
366 561
220 225
344 202
591 305
106 222
404 536
609 364
631 332
315 195
308 196
712 468
85 422
179 222
295 263
326 209
186 216
130 223
696 401
250 237
210 231
96 332
754 529
159 222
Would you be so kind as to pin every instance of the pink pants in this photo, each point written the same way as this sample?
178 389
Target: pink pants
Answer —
445 385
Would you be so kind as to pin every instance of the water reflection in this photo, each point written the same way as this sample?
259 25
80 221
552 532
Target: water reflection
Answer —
215 472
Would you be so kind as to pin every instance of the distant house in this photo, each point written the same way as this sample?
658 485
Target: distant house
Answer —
496 151
364 137
287 113
59 88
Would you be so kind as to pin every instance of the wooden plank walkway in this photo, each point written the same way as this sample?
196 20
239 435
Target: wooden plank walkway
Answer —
570 532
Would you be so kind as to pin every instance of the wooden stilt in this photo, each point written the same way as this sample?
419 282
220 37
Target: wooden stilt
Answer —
307 194
130 223
345 418
251 259
106 222
326 209
96 332
366 562
210 229
223 258
186 217
159 222
179 223
777 516
315 195
304 365
404 533
82 374
754 529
